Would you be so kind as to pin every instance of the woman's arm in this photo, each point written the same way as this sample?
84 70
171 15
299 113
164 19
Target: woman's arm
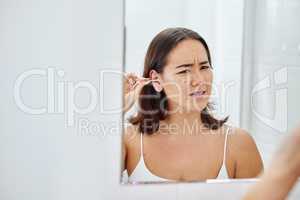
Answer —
283 173
272 185
128 137
124 153
248 162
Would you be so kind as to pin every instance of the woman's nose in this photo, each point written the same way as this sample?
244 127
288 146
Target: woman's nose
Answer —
196 78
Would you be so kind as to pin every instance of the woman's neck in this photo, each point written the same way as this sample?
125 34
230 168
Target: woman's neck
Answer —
181 123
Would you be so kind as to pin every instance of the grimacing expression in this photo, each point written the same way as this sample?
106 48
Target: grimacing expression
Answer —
187 77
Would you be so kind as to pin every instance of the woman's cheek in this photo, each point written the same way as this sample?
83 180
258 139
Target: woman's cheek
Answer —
171 89
176 91
209 88
182 85
209 78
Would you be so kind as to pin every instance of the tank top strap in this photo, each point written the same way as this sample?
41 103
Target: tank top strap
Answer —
225 145
141 145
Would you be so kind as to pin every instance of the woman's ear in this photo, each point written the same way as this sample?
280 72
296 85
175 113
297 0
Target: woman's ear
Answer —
154 76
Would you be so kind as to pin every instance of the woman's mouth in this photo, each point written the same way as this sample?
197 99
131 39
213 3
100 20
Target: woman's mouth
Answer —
198 94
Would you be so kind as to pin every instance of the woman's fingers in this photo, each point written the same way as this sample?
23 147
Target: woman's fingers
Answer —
141 82
132 88
129 82
135 81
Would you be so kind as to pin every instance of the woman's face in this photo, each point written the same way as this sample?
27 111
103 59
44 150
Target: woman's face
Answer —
187 77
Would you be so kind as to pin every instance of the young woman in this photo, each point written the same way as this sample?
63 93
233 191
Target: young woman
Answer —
174 137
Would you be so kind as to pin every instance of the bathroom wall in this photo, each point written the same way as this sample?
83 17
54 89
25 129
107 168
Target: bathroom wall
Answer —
271 61
52 55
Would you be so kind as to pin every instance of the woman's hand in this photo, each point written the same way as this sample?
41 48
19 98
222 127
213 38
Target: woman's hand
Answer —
132 86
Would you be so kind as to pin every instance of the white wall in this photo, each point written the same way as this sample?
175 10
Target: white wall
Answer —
271 67
40 156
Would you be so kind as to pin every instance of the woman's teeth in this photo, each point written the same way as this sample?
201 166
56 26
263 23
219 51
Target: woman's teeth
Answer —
198 93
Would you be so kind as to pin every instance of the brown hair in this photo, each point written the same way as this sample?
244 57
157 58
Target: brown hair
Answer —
153 105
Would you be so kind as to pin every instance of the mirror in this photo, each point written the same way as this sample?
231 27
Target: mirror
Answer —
248 72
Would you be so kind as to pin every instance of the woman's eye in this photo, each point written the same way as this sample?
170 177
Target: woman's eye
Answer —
204 67
184 71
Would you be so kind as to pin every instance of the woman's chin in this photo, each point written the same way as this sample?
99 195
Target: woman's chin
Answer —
197 108
199 105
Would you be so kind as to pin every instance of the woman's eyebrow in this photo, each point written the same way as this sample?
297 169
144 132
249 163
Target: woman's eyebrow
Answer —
191 64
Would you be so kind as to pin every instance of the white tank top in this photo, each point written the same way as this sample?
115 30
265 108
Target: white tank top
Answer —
142 174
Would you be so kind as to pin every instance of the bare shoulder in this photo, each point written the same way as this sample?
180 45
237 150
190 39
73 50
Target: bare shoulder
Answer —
245 153
130 135
241 139
128 139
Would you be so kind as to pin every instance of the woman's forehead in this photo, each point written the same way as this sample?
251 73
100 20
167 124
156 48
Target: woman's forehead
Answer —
187 51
